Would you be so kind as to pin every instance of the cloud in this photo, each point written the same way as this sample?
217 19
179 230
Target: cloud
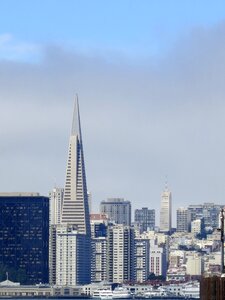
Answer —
140 122
13 50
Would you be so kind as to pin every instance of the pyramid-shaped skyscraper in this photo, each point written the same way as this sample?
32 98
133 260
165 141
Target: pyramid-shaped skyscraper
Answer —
75 208
73 234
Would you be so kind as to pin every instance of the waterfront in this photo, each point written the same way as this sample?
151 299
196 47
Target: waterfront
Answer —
82 298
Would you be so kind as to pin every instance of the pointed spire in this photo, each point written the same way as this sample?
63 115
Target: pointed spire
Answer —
166 184
76 130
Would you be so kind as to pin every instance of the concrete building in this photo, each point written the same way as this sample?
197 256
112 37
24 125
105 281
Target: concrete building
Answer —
99 225
209 211
76 262
145 218
24 234
141 260
55 205
182 219
99 259
158 263
70 256
120 267
197 227
166 211
117 209
194 263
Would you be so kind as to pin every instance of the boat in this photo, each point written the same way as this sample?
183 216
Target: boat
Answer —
103 293
159 292
121 293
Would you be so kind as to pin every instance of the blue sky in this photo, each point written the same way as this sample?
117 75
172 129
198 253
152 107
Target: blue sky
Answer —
150 78
132 27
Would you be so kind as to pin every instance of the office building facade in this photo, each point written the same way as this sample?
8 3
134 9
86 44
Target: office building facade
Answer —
208 211
182 219
145 218
24 236
117 209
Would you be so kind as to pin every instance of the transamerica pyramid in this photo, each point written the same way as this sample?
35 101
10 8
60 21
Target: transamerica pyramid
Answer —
75 208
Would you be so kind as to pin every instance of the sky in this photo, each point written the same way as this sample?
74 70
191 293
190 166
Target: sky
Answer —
150 78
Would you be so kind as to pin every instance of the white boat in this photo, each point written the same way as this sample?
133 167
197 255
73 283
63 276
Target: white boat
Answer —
191 290
156 292
102 293
121 293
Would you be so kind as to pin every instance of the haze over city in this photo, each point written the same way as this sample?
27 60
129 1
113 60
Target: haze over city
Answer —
150 79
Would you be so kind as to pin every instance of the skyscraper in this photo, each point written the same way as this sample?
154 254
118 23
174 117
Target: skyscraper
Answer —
166 211
145 218
209 211
55 205
75 208
141 259
117 209
24 230
120 266
75 221
182 219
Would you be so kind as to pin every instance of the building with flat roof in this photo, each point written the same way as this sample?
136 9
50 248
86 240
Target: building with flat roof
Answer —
145 218
24 237
117 209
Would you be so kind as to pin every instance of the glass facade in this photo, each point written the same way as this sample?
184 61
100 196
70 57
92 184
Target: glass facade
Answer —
24 234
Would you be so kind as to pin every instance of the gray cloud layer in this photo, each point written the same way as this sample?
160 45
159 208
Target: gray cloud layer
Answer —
140 122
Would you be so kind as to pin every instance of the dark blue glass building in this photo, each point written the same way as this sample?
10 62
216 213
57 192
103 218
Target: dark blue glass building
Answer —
24 235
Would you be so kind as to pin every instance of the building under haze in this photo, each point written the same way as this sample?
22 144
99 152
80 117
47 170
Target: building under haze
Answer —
208 211
145 218
24 234
73 264
166 211
117 209
182 219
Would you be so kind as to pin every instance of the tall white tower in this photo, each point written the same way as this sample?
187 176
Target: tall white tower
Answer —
166 211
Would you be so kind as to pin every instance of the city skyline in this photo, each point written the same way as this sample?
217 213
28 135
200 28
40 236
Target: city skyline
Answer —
151 95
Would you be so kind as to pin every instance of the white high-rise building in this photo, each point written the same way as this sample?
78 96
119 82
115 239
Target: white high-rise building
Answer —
73 264
120 266
55 211
70 255
158 263
55 201
99 259
166 211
